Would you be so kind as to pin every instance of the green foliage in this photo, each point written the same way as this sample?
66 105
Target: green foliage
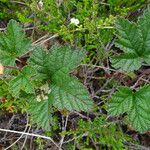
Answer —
123 6
44 84
135 104
133 39
7 101
45 80
41 113
13 43
101 132
96 19
71 94
55 66
22 82
5 7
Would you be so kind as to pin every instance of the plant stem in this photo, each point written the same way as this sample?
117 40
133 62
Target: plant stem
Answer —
11 67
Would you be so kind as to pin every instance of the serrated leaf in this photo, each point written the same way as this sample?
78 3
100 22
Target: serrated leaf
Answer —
69 93
135 104
13 43
129 38
41 113
58 57
22 82
134 40
64 57
144 26
54 66
39 60
127 62
122 100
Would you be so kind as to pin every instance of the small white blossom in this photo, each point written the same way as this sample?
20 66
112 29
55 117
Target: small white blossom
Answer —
42 96
38 98
45 97
49 91
40 3
74 21
45 88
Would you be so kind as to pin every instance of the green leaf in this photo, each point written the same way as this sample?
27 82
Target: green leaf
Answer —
135 104
55 65
134 40
39 60
129 38
144 24
69 93
127 62
22 82
64 57
41 112
122 100
12 43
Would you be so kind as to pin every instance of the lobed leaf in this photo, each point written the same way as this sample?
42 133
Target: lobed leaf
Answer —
135 104
143 25
134 40
22 82
67 92
41 113
64 57
129 38
127 61
39 60
13 43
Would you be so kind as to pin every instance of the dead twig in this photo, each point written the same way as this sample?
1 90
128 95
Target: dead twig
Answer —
32 134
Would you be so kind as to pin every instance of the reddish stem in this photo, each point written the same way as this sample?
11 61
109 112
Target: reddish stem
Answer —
11 67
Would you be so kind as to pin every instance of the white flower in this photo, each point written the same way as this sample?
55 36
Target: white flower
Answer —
74 21
42 96
49 91
45 88
40 3
45 97
38 98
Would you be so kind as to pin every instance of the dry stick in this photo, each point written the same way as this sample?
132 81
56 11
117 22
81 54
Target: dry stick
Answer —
2 29
17 2
19 137
32 134
40 41
105 68
11 67
25 139
16 140
52 37
80 136
104 3
30 28
136 83
83 116
25 29
8 126
147 81
105 84
64 129
135 146
41 38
